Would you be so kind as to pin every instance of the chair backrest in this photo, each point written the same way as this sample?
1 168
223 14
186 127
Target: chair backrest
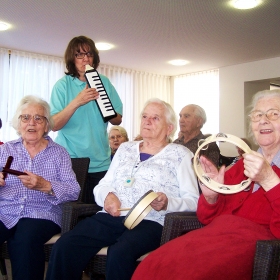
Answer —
80 167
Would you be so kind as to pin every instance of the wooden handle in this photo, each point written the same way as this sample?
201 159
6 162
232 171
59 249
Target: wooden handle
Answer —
13 172
7 165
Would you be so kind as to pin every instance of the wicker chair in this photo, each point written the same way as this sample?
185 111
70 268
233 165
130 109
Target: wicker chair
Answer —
72 213
267 256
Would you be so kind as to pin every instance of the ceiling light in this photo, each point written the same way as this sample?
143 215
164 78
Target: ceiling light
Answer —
4 26
245 4
103 46
178 62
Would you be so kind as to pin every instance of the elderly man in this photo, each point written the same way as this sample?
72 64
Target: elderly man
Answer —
192 119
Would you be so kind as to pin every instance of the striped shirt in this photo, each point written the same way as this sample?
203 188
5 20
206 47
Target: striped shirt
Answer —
53 164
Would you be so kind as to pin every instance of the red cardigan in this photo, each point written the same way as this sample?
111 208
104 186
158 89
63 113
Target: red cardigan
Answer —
225 248
260 207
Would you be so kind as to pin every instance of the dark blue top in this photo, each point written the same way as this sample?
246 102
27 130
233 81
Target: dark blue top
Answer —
144 156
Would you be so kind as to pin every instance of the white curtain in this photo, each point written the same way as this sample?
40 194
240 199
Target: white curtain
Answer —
4 88
200 88
135 88
27 73
148 86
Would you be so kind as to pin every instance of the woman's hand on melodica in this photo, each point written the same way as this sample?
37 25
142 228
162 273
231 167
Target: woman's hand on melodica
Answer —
258 169
86 95
211 170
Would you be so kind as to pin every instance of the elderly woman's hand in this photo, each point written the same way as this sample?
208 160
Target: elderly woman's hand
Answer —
258 169
112 205
2 181
160 203
211 170
35 182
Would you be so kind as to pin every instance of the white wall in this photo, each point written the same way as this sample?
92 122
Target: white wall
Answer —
232 95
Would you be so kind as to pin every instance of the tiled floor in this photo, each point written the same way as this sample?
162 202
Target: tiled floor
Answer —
8 266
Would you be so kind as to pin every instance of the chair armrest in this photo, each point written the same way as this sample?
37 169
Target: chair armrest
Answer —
267 260
177 224
73 212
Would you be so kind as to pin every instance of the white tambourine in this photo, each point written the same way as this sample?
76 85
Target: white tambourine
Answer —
140 210
206 180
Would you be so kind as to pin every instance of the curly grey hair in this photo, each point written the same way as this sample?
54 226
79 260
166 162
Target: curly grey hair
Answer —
169 115
121 130
26 101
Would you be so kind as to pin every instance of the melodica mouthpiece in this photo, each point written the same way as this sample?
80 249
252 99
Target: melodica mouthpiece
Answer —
88 67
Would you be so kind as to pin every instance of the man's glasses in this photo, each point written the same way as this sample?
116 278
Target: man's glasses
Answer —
115 137
37 118
81 55
271 114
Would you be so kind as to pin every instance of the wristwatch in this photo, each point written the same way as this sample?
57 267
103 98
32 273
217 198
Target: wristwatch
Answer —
51 192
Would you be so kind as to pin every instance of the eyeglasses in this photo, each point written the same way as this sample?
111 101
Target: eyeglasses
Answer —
271 114
115 137
37 118
81 55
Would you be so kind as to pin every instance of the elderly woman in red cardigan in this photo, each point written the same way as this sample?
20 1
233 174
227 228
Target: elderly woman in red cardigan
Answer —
225 247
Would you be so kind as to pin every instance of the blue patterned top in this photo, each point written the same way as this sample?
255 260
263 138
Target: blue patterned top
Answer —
53 164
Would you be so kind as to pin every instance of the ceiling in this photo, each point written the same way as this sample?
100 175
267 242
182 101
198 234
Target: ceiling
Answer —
147 33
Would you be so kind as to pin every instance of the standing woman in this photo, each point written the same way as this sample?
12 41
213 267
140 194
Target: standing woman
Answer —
225 247
30 205
76 116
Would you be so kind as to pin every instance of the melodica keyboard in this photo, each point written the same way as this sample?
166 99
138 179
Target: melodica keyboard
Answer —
103 101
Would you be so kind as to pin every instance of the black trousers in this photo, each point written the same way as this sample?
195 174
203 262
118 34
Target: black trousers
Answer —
26 246
74 249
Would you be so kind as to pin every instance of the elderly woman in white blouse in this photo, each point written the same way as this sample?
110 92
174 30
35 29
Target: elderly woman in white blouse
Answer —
138 166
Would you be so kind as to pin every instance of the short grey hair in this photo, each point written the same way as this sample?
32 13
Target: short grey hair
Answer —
199 112
263 94
121 130
25 102
169 113
256 98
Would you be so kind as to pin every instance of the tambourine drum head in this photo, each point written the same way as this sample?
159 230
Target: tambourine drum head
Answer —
140 210
206 180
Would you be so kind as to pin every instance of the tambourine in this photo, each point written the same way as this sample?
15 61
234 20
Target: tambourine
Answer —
140 210
206 180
